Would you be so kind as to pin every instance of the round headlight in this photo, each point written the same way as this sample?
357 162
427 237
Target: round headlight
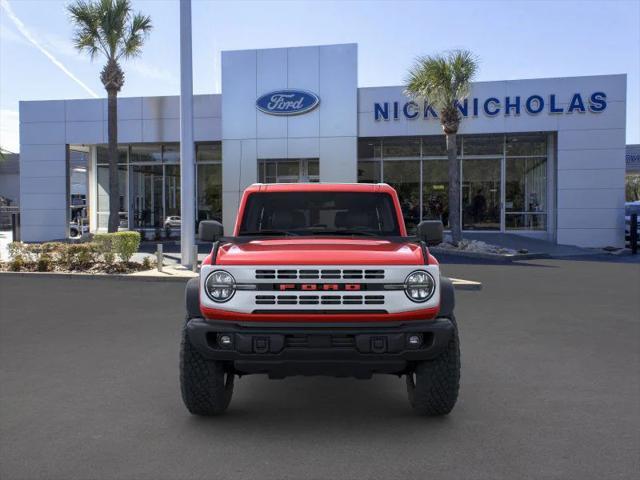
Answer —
220 286
419 286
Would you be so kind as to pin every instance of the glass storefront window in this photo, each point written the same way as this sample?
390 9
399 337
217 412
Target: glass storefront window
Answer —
171 191
368 172
153 178
525 193
78 187
288 171
102 154
209 182
209 152
146 192
404 176
515 221
209 191
401 147
416 166
145 153
313 170
483 144
388 159
435 190
171 153
481 194
433 146
526 144
103 196
269 171
369 148
281 170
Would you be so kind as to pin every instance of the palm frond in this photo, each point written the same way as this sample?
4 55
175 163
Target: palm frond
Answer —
108 27
113 20
442 79
139 28
85 16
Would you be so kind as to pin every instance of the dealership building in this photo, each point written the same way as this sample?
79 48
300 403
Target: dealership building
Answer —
540 157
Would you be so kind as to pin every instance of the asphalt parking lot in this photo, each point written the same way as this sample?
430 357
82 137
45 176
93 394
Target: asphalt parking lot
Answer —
550 389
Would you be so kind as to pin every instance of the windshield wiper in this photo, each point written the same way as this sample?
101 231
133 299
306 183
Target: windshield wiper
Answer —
269 232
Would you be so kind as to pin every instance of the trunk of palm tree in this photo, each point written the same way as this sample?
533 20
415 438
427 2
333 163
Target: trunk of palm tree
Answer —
114 187
112 78
454 189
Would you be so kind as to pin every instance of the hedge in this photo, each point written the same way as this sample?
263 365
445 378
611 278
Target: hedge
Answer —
126 244
45 257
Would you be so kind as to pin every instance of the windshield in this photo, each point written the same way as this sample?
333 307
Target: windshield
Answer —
320 213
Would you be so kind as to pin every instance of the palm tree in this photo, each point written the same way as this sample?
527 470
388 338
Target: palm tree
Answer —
444 81
110 28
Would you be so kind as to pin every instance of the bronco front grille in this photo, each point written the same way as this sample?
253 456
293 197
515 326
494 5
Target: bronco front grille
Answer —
320 274
319 299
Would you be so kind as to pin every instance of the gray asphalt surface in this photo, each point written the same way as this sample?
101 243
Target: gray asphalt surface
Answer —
550 389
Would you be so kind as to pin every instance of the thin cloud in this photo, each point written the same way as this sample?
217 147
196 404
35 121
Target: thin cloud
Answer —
27 34
152 72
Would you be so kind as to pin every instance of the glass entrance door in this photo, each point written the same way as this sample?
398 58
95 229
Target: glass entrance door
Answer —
481 194
146 195
296 170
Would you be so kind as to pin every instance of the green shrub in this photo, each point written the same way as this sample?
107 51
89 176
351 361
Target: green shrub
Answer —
51 248
104 241
44 263
79 256
86 255
126 244
17 263
146 263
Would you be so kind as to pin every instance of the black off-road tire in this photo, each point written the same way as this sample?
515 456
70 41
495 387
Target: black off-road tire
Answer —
434 384
206 385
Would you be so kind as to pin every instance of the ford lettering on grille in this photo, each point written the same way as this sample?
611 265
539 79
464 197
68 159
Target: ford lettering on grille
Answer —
326 287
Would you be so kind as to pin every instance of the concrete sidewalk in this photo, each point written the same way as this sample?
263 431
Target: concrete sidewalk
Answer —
532 245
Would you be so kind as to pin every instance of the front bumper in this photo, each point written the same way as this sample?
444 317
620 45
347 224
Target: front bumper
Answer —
337 349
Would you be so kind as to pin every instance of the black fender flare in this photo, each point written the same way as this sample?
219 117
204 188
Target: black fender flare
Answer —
447 297
192 298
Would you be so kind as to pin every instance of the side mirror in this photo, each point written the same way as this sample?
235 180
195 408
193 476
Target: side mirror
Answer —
430 231
210 231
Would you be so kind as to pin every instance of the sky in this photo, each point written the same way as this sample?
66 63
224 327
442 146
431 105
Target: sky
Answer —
512 39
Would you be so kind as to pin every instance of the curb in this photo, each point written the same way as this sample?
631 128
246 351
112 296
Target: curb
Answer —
496 257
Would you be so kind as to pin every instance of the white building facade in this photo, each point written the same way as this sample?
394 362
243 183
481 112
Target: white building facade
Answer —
540 157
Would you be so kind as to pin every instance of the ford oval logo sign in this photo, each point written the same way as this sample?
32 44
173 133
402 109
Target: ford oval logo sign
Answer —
287 102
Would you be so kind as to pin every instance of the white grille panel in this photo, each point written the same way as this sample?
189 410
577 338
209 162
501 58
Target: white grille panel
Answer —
255 296
320 274
319 300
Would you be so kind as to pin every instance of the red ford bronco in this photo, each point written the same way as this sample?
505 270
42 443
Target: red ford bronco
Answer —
320 279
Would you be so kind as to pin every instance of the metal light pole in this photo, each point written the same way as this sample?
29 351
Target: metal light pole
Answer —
187 148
